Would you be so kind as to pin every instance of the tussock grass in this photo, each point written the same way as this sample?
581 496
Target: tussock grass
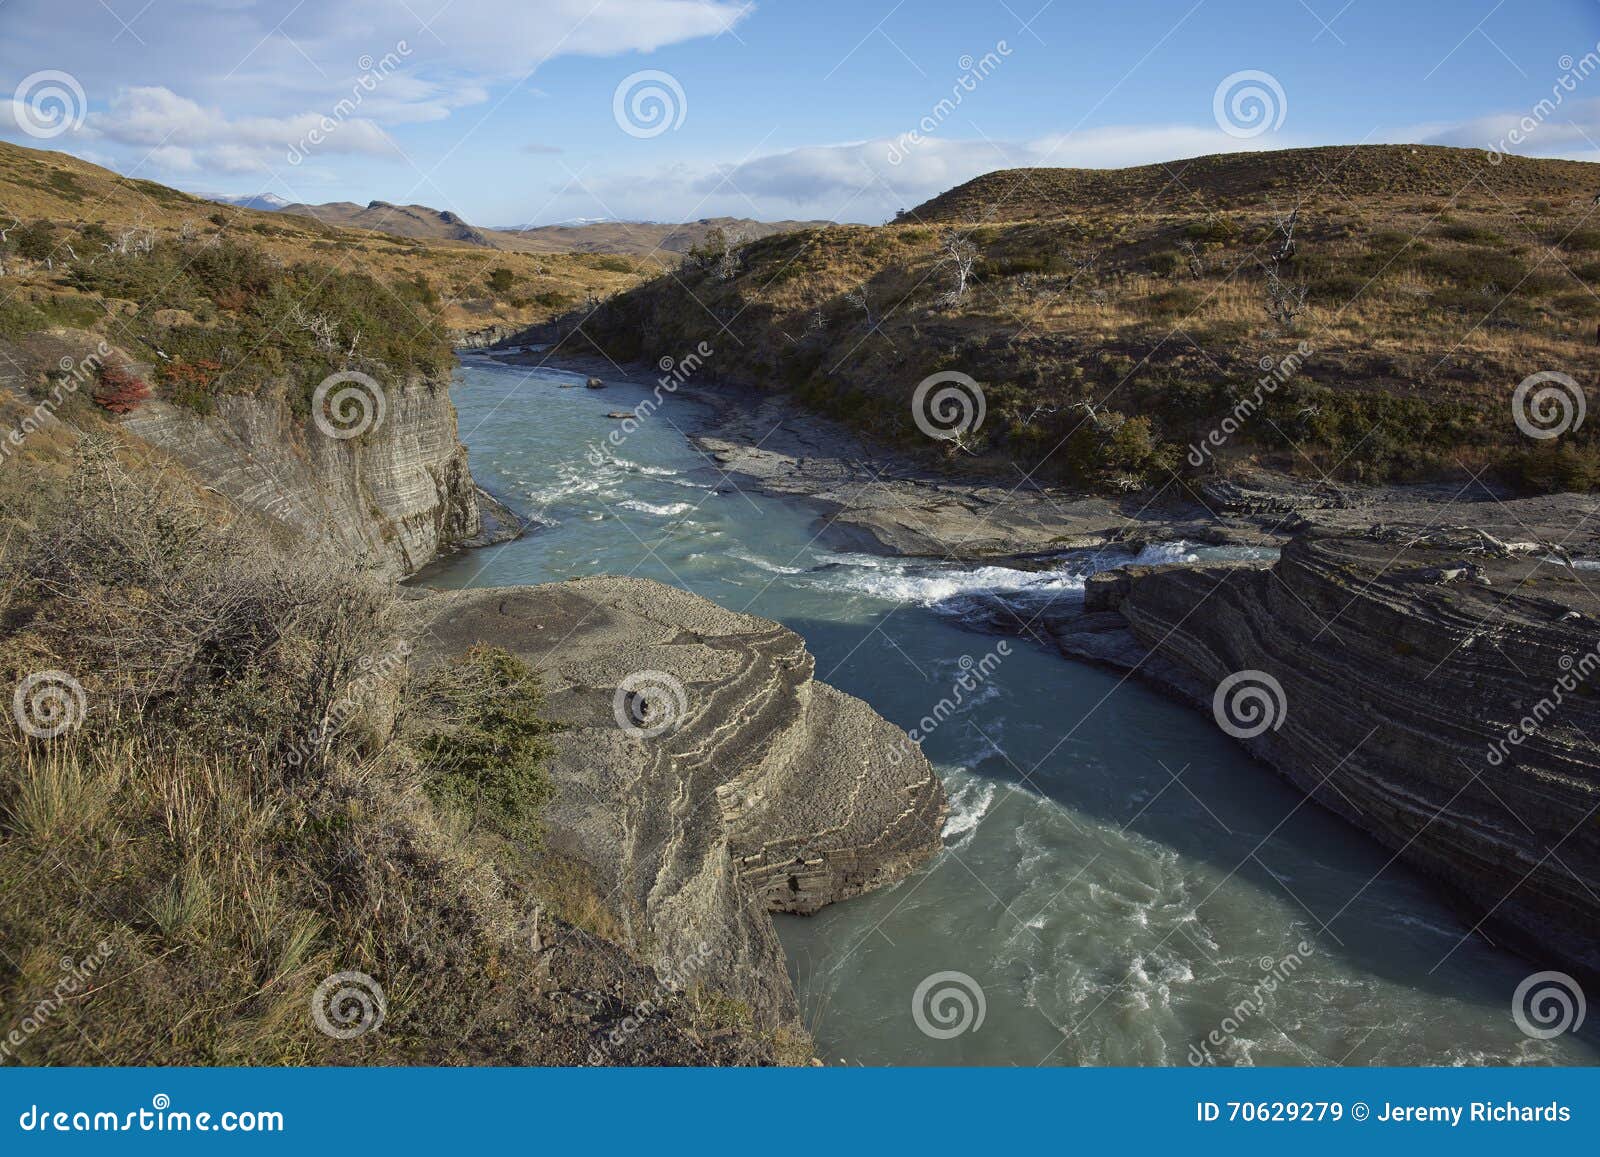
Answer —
255 800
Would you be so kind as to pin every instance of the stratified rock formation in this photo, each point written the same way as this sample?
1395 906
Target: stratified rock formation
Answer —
397 495
1440 691
768 792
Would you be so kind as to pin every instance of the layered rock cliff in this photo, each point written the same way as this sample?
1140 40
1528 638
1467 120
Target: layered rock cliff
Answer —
1439 691
772 792
397 495
765 791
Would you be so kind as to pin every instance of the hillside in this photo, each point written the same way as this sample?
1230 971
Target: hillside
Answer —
1364 313
1373 173
62 216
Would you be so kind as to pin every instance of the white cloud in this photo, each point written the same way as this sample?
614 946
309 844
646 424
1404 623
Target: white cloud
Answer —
872 180
182 136
282 57
244 82
1570 129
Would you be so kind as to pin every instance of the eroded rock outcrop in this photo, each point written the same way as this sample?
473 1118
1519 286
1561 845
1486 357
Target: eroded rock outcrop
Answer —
770 791
397 495
1442 695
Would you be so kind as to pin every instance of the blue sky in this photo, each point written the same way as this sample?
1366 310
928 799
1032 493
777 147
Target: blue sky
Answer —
506 112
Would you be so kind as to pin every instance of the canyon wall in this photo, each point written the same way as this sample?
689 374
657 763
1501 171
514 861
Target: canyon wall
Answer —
1442 695
397 495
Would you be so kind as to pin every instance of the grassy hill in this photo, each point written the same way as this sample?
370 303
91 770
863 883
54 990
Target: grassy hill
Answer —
67 222
1393 295
1374 173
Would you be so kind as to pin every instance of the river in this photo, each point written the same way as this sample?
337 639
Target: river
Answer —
1121 884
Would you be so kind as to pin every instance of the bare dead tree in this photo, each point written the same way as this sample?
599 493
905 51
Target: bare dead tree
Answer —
1284 226
1285 301
323 329
1089 409
1191 254
862 300
729 261
138 239
961 255
958 440
1081 266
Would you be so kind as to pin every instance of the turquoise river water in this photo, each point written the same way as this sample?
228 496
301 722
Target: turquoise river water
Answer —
1121 884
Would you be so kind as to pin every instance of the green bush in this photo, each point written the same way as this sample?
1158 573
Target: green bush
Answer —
482 741
1471 234
1579 240
271 321
1166 263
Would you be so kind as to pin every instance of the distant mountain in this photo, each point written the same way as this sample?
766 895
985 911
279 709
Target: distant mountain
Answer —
415 221
648 238
663 241
268 202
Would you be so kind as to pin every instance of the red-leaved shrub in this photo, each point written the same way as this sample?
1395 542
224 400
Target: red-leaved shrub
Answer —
119 389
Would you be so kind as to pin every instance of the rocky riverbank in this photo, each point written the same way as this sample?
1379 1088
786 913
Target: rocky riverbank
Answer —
1405 651
897 505
1438 689
766 791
